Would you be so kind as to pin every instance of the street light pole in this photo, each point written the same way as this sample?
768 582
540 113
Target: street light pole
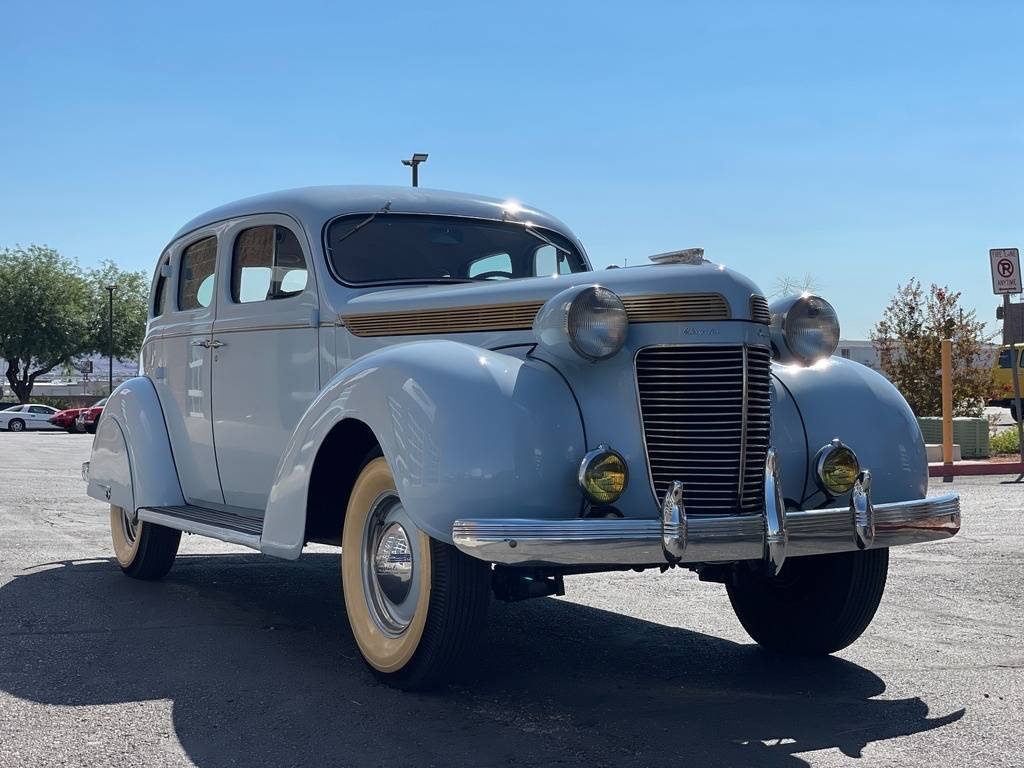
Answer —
414 163
110 339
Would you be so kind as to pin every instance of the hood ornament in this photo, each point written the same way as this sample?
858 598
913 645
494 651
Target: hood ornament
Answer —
686 256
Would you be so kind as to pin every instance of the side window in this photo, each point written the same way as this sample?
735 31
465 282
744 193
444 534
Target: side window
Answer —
548 260
1004 359
40 410
267 264
497 265
195 283
161 288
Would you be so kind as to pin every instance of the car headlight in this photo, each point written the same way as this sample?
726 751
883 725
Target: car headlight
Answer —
804 328
583 321
837 468
603 475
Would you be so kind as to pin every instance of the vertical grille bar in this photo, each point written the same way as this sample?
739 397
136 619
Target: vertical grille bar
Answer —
706 414
743 426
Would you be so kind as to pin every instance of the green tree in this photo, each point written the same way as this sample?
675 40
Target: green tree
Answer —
44 313
51 313
131 294
908 341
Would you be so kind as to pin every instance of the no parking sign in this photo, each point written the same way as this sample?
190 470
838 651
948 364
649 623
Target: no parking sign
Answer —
1005 270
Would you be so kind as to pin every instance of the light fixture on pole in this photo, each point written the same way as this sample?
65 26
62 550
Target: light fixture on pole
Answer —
110 338
414 163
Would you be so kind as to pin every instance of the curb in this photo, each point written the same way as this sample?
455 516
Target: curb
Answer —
981 468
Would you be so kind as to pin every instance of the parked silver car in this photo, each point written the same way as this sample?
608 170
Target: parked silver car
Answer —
441 384
18 418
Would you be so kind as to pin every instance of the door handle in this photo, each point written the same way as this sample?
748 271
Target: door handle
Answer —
204 343
215 344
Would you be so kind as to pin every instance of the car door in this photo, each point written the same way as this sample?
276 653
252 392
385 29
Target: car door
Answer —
178 359
266 358
39 416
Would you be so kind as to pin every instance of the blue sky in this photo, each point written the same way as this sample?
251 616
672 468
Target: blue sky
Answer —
863 145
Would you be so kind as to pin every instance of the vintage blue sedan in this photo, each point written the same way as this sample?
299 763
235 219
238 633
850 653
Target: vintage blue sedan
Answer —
443 385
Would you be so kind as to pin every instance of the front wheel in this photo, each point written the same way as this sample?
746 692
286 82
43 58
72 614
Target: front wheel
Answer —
416 606
816 605
143 550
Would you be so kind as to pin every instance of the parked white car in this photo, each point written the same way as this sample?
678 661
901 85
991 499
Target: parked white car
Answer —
18 418
444 386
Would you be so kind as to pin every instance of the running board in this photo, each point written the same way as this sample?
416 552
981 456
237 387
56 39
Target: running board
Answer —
226 526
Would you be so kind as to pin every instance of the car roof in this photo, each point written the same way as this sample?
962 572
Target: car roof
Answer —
313 206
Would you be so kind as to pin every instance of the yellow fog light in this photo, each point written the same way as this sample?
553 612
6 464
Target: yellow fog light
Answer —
603 475
837 468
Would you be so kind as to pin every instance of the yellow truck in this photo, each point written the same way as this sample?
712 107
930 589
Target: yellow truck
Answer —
1002 376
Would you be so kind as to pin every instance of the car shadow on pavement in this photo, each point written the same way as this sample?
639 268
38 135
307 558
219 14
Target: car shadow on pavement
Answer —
255 657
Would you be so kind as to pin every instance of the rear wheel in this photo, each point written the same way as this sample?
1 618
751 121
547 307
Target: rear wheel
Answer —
816 605
16 425
416 606
143 550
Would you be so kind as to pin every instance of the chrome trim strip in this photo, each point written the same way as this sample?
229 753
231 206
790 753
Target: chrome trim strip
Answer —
277 327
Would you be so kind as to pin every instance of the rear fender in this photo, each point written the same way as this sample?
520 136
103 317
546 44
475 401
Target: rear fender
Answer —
466 431
131 464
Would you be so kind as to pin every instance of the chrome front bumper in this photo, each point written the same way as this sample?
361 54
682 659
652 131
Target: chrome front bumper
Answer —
679 538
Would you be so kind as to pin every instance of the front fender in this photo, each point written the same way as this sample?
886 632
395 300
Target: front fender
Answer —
844 399
131 464
466 431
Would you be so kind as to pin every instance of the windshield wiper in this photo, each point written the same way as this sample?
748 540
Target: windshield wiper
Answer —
529 228
355 229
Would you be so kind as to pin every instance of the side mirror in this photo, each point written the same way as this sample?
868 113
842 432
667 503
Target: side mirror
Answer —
165 270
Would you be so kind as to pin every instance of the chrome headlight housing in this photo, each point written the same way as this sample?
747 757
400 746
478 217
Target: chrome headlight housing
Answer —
804 328
584 321
603 475
836 468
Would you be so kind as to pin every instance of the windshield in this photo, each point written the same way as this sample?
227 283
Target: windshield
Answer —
390 247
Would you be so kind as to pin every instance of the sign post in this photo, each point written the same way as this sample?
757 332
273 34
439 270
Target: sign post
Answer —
1005 265
947 408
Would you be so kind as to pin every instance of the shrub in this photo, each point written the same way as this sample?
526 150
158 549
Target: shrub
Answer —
1005 442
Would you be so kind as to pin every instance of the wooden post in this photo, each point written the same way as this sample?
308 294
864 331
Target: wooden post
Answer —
947 407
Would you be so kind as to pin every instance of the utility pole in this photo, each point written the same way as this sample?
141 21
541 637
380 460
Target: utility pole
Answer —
110 338
414 163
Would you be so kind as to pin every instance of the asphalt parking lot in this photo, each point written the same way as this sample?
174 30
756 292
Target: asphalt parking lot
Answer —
237 659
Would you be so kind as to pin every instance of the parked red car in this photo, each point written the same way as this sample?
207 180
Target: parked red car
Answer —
88 418
66 419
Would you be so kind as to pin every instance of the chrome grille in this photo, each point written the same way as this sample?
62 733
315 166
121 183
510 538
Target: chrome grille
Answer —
706 414
759 310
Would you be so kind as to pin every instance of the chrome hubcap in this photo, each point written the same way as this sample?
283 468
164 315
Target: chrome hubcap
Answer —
389 556
129 528
392 563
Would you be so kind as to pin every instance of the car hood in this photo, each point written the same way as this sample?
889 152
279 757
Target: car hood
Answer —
657 279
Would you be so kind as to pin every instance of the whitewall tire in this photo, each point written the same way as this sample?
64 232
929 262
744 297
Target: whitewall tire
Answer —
415 606
143 550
